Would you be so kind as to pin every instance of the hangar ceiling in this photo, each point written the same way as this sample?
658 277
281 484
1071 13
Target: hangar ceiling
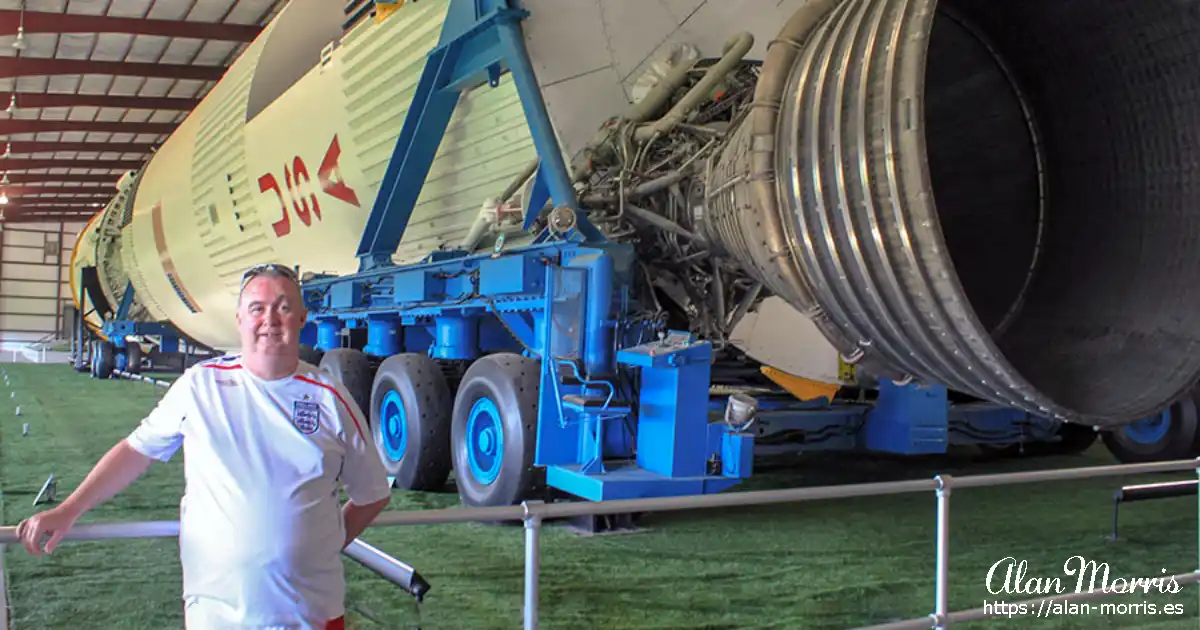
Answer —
89 89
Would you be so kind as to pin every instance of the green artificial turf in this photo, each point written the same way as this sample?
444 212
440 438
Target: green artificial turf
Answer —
830 564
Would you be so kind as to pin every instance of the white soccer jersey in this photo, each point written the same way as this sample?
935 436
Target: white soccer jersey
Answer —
261 530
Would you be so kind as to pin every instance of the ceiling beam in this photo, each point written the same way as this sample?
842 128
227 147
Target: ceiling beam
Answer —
44 99
40 180
15 204
48 22
23 195
21 217
90 191
21 164
22 147
38 126
49 207
27 66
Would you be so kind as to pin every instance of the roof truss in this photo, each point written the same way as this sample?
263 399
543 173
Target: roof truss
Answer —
93 88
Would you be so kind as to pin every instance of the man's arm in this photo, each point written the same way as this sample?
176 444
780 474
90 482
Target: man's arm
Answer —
157 437
358 517
363 475
119 468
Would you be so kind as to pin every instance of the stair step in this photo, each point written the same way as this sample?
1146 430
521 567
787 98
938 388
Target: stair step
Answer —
580 402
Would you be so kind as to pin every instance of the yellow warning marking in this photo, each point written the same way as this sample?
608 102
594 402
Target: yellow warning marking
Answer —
847 373
802 388
383 10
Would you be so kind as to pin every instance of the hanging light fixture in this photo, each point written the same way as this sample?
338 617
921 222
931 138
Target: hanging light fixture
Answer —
19 44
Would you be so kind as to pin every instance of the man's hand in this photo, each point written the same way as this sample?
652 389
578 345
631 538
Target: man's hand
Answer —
121 466
53 523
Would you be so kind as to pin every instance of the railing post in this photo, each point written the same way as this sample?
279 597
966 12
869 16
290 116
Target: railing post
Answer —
1198 526
941 606
6 607
533 531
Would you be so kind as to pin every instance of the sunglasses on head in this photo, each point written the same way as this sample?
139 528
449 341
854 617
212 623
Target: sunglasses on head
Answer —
258 270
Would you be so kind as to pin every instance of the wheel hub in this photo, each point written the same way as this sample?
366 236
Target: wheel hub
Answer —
395 434
1149 430
485 441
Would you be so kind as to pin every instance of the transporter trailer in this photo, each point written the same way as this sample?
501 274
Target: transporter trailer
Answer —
545 366
124 345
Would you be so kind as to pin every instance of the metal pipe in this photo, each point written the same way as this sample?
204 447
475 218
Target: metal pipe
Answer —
517 181
1069 474
942 581
388 568
638 112
922 623
659 221
743 306
735 49
641 190
5 606
533 558
152 529
660 93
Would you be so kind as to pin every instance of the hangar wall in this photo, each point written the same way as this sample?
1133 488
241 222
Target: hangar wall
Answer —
35 291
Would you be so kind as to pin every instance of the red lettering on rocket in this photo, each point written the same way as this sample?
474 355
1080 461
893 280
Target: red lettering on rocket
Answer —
297 180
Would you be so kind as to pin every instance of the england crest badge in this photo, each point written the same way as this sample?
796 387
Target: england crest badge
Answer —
306 416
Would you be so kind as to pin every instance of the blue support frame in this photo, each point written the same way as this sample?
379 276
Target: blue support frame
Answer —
480 40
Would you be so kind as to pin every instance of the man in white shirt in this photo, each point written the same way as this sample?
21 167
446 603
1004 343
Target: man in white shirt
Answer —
266 439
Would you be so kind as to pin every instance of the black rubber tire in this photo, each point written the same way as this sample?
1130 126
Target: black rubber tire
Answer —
511 381
106 359
428 404
311 355
92 366
1180 440
80 363
133 358
353 369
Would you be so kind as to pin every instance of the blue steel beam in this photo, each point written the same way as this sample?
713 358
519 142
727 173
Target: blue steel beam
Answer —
480 39
126 303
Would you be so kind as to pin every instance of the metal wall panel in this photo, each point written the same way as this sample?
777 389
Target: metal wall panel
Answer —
34 280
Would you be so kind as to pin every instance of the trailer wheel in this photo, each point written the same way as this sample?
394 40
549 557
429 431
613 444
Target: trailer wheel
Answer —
311 355
495 429
410 420
353 369
106 359
1172 434
81 363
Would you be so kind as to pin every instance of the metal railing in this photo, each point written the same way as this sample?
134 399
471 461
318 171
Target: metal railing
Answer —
386 567
532 513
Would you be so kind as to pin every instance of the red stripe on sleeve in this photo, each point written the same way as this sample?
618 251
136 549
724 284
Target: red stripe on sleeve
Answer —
340 399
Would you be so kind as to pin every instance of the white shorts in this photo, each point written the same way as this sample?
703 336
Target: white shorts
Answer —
209 614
